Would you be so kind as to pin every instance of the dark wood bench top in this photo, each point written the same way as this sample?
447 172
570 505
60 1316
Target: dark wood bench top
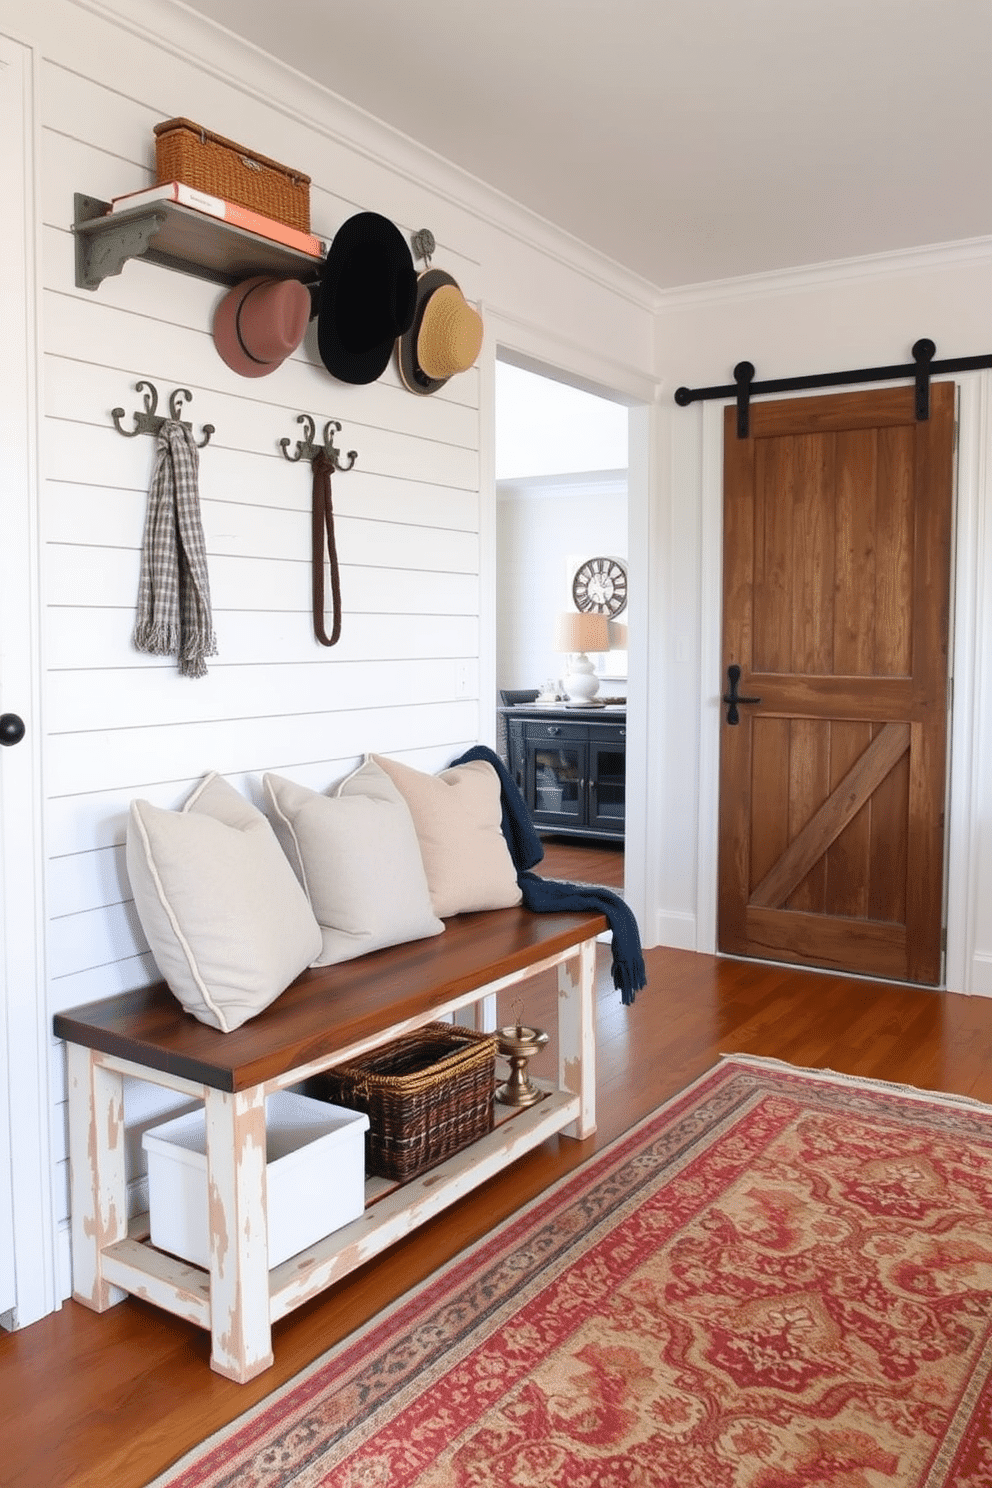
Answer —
327 1008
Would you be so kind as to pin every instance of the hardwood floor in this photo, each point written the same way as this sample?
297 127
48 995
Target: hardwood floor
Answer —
111 1400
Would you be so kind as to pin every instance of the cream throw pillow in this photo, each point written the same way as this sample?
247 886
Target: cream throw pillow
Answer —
457 815
227 923
356 855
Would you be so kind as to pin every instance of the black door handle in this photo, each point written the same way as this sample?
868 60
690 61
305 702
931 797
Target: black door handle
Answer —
733 697
11 728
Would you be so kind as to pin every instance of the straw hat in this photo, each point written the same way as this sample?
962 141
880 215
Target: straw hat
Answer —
445 337
261 322
367 296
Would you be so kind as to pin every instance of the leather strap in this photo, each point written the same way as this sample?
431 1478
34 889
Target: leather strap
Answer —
322 525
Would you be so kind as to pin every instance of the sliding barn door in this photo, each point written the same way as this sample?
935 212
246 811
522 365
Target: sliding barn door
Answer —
837 541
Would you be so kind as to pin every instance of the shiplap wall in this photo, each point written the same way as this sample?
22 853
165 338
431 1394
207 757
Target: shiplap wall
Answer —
405 677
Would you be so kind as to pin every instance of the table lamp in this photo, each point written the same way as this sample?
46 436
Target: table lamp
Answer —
578 633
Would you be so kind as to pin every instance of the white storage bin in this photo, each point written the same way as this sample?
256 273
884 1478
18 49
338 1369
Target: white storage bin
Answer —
315 1176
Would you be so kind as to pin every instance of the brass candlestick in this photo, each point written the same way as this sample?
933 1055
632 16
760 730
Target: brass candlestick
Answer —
518 1043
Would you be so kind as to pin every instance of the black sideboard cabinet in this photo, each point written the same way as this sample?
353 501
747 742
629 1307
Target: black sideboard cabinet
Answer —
570 765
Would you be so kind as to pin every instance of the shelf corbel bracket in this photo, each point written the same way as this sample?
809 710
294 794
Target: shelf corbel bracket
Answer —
104 244
306 449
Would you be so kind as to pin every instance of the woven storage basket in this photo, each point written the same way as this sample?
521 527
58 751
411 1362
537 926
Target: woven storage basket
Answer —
427 1095
184 151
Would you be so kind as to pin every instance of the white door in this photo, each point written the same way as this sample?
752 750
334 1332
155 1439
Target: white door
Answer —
26 1242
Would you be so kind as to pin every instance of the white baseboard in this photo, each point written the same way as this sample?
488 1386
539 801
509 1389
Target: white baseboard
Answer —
63 1261
675 930
981 976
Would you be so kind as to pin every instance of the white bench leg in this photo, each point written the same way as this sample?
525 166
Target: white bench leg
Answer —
577 1035
240 1325
485 1015
98 1183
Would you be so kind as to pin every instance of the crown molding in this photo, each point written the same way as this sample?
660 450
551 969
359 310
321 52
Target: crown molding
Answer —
840 271
240 64
547 487
533 349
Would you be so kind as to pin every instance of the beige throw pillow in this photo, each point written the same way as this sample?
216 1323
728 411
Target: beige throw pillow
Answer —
227 923
457 815
357 857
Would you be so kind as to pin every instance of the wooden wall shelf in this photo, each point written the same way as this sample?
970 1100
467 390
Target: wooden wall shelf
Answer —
178 238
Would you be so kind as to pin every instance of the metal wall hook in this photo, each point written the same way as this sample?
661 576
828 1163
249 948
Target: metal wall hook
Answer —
150 422
423 245
307 450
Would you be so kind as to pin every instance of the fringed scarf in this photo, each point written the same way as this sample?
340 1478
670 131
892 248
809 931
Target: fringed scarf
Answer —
551 895
173 612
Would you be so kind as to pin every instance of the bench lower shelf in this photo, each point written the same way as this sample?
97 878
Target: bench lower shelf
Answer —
137 1267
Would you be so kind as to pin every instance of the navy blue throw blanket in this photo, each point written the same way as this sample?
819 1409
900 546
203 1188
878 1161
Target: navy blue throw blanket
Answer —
547 895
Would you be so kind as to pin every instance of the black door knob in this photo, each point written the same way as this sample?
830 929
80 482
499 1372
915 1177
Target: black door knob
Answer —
11 728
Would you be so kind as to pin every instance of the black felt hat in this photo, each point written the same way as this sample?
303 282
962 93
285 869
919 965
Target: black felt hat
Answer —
368 294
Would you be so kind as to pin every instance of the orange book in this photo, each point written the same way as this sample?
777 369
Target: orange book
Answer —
227 211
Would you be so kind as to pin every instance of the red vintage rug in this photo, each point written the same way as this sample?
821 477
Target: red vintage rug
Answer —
782 1279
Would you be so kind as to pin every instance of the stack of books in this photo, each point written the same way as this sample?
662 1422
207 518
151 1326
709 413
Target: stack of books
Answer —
215 206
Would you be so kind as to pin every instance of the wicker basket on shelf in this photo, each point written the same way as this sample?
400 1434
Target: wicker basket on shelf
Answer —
187 152
428 1094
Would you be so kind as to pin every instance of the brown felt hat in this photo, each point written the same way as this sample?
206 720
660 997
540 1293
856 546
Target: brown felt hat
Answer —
445 338
261 322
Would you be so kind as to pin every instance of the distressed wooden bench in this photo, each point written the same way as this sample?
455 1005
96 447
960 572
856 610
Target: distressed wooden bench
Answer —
327 1015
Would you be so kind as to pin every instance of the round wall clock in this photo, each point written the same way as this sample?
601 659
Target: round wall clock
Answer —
600 587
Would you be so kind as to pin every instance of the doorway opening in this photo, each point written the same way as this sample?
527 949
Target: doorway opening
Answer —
562 558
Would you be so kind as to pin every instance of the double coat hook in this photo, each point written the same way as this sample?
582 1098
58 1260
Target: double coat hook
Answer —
307 450
150 422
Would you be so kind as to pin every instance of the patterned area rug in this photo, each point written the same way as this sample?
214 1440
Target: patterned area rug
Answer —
782 1279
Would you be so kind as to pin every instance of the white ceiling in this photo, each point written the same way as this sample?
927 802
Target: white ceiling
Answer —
687 141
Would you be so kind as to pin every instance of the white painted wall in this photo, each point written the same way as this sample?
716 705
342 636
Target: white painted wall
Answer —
541 526
561 457
26 1238
818 320
546 428
415 519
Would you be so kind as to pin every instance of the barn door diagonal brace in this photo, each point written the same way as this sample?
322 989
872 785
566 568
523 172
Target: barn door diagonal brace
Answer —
838 810
921 369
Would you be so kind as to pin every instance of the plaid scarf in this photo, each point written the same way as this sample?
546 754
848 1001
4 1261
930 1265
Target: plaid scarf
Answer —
173 613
